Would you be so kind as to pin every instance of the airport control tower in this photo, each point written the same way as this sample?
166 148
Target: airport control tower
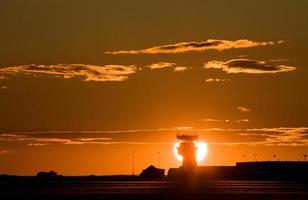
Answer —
187 149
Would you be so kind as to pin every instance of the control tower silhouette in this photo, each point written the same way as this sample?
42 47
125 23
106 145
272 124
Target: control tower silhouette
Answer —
187 149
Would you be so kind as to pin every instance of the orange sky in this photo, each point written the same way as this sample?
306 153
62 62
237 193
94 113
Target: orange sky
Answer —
83 84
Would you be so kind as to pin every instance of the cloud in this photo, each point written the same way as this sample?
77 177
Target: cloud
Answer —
247 66
242 120
210 44
42 139
162 65
87 72
180 69
33 141
226 120
277 136
280 60
242 56
285 136
4 151
4 87
210 120
211 80
37 144
243 109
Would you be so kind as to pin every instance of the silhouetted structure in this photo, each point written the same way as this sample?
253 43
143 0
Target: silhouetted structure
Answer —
152 172
273 170
50 174
187 150
263 170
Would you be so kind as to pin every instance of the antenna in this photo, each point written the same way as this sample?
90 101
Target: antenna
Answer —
133 162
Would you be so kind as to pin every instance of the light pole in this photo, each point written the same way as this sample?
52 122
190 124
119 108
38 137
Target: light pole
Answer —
133 162
255 156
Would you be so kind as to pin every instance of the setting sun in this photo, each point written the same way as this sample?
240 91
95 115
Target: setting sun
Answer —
200 153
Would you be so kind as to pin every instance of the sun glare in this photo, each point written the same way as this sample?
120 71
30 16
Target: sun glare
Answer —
175 151
201 150
200 153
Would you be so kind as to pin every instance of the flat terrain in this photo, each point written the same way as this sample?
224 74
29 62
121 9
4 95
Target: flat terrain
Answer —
36 189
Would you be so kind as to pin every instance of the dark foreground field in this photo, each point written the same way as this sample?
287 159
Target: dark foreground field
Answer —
74 189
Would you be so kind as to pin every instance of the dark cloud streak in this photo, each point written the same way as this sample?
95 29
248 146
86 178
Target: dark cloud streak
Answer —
211 44
248 66
280 136
88 72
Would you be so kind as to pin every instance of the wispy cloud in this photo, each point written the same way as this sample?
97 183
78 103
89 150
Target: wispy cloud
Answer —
285 136
277 136
211 44
242 120
211 80
4 87
162 65
4 151
248 66
225 120
37 144
87 72
280 136
181 68
210 120
243 109
280 60
40 139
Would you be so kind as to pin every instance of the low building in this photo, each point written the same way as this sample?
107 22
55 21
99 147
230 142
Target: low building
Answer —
152 172
264 170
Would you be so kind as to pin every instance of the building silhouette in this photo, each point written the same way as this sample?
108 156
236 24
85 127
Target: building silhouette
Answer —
260 170
152 172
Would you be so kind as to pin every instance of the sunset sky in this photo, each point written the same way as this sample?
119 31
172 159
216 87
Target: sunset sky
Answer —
84 83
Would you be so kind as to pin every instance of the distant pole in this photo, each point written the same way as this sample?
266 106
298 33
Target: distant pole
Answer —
214 157
244 157
255 156
159 159
305 157
274 157
133 162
